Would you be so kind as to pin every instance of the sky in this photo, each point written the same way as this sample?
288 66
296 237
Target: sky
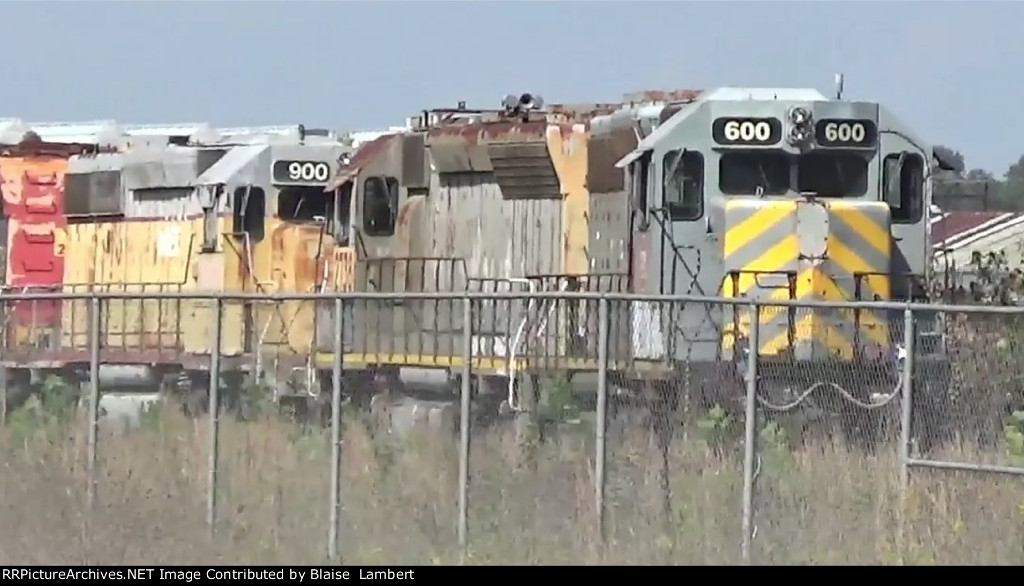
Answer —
369 65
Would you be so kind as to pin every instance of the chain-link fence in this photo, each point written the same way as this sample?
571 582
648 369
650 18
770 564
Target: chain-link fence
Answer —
508 427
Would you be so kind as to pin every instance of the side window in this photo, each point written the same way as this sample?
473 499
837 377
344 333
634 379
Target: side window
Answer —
212 197
343 213
249 209
380 205
639 180
903 186
683 186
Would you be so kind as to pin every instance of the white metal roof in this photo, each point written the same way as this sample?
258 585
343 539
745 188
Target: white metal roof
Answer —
97 132
183 129
235 166
765 93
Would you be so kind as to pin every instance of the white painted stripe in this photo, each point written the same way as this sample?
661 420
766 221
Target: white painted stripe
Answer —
957 240
987 229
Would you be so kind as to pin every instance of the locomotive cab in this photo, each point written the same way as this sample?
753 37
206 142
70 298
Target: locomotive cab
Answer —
270 227
776 194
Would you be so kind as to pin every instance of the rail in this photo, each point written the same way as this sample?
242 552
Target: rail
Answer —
511 295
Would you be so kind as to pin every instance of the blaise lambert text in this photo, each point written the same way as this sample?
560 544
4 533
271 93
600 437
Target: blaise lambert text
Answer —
361 574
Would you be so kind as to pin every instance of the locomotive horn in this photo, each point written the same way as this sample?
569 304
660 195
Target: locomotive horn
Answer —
528 101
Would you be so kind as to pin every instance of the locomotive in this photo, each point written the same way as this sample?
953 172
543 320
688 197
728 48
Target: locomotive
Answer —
201 210
750 193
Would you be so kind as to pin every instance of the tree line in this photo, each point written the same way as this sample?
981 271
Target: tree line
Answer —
978 189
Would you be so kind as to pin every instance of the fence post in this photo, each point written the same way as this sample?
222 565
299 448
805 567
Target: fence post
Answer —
94 400
600 449
3 395
335 512
467 372
906 407
214 409
750 433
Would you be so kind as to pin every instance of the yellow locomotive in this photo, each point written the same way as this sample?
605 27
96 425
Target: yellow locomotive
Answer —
223 210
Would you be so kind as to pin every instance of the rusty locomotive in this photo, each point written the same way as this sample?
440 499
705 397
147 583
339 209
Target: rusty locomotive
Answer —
757 193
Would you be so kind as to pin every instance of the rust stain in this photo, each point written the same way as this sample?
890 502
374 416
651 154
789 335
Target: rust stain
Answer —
500 127
403 214
35 150
667 96
366 153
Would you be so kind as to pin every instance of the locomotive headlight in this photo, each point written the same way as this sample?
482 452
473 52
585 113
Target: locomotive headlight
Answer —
799 115
798 135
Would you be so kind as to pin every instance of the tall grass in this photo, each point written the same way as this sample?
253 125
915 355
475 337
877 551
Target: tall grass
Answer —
815 505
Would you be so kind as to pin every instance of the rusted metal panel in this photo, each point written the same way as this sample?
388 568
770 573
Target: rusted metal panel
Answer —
458 156
523 170
415 171
664 96
366 154
609 234
498 238
604 152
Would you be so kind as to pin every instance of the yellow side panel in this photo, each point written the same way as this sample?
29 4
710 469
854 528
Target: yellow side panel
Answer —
284 261
568 151
143 256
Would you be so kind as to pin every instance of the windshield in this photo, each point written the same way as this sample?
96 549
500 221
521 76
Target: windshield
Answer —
830 174
753 173
833 174
304 204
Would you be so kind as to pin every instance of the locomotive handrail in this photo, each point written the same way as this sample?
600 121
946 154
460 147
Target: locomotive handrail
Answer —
504 296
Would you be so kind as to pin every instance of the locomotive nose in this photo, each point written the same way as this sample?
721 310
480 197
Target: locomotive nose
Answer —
809 250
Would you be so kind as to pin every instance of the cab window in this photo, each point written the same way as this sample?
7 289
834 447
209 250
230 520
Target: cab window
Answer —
833 174
304 203
380 205
753 173
248 211
903 186
683 185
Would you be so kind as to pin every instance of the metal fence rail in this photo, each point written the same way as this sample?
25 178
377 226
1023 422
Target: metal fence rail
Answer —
758 459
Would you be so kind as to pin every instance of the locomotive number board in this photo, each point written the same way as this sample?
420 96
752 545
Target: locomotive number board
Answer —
845 132
301 171
746 131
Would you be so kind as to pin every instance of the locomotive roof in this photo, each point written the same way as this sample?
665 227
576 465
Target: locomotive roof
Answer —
237 167
722 94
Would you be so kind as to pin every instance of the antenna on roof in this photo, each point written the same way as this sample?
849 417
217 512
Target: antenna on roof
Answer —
839 86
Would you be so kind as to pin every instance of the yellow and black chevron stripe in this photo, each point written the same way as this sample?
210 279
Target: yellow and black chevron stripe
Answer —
780 250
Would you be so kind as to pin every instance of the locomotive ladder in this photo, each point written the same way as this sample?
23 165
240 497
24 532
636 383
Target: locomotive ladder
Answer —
675 329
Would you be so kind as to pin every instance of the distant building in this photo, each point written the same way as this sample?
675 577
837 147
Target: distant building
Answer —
957 235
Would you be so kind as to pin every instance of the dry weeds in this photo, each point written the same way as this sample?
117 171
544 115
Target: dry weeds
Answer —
823 505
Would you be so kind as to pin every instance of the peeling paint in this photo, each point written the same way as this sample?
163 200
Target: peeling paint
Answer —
33 199
569 156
